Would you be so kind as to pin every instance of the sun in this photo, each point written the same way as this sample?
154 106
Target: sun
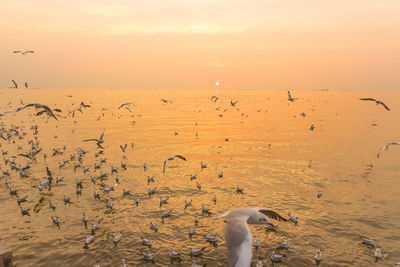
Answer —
217 83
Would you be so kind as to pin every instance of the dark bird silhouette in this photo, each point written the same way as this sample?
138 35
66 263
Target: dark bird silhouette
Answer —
172 158
45 109
15 84
290 98
378 102
24 53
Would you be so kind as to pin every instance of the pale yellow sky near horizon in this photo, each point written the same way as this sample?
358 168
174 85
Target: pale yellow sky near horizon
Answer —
253 44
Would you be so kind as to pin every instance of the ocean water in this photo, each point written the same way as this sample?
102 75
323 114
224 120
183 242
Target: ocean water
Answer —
271 153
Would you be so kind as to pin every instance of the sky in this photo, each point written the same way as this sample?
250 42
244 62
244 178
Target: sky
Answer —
191 44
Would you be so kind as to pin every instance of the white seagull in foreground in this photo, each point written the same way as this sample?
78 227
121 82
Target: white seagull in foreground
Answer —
386 147
172 158
237 233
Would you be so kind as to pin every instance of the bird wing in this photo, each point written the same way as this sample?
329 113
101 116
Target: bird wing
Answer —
383 104
181 157
49 112
385 147
272 214
48 172
87 140
15 84
368 99
165 163
288 93
26 106
101 136
238 240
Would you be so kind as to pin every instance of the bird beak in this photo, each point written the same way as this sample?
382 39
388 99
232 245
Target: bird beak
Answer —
270 224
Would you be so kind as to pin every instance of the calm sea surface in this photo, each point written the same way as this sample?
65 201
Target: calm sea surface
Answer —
271 153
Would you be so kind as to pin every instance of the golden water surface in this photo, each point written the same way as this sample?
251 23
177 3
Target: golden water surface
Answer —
271 153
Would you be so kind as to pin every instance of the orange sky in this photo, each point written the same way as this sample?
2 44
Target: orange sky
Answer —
247 44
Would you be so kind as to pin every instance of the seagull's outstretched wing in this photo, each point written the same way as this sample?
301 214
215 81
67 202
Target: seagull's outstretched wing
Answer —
165 163
385 147
15 84
238 240
368 99
383 104
180 157
272 214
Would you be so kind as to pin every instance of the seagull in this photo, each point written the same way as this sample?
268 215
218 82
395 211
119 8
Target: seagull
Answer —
318 256
45 109
284 244
26 85
88 240
213 238
386 147
256 244
117 238
172 158
293 219
188 203
24 53
148 255
56 220
98 141
198 251
367 241
15 84
378 102
125 104
192 230
214 98
165 100
378 253
154 226
319 194
290 98
277 257
237 233
173 254
84 218
146 241
259 262
163 201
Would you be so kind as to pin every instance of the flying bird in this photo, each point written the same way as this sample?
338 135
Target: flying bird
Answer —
386 147
233 104
24 52
290 98
15 84
45 109
26 85
98 141
237 233
172 158
378 102
214 98
126 105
